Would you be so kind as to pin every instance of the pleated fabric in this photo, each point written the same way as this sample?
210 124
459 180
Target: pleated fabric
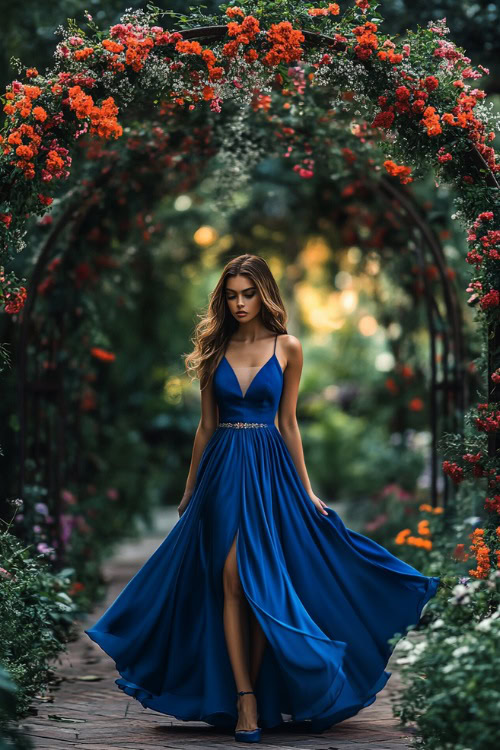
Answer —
327 597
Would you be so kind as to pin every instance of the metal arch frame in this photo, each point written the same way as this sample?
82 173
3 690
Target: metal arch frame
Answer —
452 382
429 241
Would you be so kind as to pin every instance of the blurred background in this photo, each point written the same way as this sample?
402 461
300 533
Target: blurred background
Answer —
110 413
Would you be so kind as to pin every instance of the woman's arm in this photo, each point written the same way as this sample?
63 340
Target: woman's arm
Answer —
287 413
206 427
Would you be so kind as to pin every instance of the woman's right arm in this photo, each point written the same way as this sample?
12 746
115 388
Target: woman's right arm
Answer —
206 427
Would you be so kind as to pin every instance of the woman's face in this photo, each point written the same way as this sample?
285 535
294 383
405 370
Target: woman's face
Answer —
242 296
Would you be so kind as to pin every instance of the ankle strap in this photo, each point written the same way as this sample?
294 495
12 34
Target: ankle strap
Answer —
243 692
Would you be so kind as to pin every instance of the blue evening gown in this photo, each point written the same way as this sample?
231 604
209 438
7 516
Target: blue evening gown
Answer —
327 598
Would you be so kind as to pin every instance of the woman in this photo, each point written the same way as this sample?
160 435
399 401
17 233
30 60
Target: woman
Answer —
260 602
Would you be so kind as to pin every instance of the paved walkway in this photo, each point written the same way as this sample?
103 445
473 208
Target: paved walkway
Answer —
89 711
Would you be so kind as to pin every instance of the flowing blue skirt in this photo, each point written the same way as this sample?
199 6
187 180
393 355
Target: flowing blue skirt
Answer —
327 598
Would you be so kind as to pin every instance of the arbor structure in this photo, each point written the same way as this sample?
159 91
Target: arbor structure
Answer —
287 79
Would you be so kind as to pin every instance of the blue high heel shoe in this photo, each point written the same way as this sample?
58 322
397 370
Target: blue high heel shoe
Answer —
247 735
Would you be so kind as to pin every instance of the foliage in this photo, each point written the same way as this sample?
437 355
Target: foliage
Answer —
36 613
10 739
450 669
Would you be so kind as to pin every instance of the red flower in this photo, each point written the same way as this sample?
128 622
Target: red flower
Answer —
491 299
431 83
15 304
416 404
454 471
102 354
402 93
384 119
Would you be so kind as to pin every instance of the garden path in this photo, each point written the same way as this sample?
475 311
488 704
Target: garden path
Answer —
95 715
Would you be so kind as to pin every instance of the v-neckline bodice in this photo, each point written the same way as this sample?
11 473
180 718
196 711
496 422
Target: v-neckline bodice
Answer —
244 395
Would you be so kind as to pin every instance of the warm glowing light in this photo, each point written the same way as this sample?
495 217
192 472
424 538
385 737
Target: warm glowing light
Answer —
322 311
384 361
354 255
367 325
394 330
348 299
372 266
205 235
343 280
315 253
182 203
172 389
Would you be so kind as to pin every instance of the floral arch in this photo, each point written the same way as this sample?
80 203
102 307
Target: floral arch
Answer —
323 86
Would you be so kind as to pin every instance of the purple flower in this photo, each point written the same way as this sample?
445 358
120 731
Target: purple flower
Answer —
44 548
41 508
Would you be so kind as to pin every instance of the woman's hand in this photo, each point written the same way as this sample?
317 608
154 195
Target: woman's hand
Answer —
184 502
319 504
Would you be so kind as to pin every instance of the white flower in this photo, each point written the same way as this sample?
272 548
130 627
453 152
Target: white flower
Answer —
449 667
420 647
411 659
460 651
437 624
405 645
451 640
484 625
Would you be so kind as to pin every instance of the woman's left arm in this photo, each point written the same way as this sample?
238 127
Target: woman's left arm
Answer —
287 413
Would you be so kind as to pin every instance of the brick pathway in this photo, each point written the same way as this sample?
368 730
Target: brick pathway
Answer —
96 715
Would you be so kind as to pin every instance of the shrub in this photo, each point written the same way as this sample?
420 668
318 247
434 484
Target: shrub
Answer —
36 616
450 670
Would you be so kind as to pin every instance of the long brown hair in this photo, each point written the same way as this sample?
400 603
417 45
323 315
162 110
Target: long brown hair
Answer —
217 325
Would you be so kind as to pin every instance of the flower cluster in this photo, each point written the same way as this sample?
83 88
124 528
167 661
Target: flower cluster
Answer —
453 470
406 537
482 554
484 242
398 171
490 422
424 541
333 9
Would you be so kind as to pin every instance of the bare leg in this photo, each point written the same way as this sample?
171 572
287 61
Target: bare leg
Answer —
258 645
236 629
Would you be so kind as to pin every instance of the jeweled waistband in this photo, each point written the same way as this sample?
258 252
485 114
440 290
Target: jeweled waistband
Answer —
240 425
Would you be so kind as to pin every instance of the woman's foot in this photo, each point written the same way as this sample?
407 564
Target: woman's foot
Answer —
247 712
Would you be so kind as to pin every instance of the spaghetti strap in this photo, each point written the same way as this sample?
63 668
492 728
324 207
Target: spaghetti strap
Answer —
275 340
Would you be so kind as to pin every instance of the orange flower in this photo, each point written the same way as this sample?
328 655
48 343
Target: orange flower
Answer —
82 54
367 40
233 12
482 554
40 114
112 46
423 528
416 404
398 171
332 9
102 354
431 121
401 537
285 41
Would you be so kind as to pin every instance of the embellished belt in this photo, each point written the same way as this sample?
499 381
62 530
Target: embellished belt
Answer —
240 425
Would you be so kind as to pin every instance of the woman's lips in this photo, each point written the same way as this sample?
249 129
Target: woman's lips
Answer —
241 313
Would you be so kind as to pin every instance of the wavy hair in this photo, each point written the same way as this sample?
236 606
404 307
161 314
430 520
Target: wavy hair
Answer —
216 326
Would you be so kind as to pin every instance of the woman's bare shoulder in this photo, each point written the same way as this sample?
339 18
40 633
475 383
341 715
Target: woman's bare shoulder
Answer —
291 347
